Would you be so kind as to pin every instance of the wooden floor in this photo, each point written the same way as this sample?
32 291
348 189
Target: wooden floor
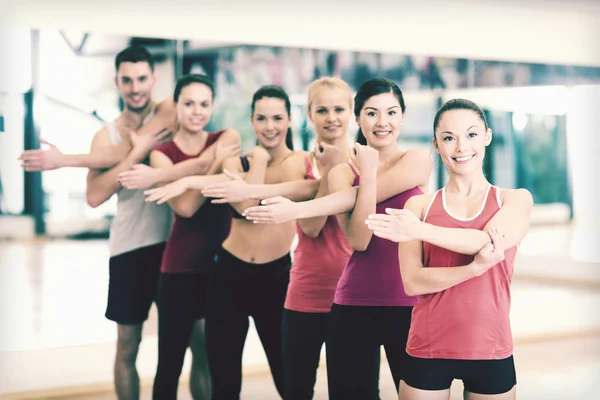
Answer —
55 341
565 369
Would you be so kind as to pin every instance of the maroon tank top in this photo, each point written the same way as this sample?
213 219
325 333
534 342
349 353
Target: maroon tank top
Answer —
193 241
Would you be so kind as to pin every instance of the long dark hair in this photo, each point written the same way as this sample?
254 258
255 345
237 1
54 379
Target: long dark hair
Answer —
276 92
458 104
190 79
370 88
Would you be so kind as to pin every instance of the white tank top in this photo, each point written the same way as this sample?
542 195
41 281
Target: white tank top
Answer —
136 224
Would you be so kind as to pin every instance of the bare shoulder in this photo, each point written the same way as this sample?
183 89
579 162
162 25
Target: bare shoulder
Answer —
294 166
101 138
341 174
158 159
230 135
418 155
519 197
418 204
296 158
166 106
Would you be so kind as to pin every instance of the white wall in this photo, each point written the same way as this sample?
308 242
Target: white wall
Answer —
545 31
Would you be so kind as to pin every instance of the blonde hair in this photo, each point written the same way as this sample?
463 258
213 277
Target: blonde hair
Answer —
328 82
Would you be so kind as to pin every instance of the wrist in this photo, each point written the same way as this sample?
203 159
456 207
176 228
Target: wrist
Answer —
423 232
369 177
69 160
186 181
299 211
255 192
160 176
262 160
475 269
138 155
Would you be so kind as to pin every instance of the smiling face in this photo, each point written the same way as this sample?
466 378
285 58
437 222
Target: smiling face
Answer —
270 121
194 107
380 120
330 111
135 81
461 138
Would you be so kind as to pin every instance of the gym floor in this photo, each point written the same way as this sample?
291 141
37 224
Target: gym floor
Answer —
56 343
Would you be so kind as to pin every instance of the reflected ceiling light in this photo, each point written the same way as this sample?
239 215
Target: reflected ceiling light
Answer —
519 121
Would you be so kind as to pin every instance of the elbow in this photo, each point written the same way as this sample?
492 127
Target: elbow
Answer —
409 288
93 200
360 242
185 212
311 232
359 245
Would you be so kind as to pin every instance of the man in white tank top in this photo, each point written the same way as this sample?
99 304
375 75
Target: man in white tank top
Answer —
139 230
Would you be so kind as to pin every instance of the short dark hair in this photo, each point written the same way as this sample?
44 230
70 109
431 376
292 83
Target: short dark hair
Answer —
134 54
189 79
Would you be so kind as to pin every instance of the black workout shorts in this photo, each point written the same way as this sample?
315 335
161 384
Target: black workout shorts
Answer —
133 284
478 376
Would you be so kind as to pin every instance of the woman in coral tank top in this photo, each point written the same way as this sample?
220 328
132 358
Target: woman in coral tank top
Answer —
457 253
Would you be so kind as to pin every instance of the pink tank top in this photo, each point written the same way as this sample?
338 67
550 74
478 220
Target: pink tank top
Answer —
469 321
317 264
372 277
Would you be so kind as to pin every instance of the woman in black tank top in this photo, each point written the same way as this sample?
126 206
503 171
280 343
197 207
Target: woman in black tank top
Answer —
251 274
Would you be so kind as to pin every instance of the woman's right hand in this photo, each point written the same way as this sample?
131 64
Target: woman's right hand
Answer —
258 153
234 191
366 160
165 193
328 155
140 176
275 210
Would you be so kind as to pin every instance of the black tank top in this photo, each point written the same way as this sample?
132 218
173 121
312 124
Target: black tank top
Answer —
245 168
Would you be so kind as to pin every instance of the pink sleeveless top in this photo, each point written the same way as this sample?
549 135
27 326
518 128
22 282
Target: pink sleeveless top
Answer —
317 264
469 321
372 277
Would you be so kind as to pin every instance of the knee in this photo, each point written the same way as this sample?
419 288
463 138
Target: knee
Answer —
127 348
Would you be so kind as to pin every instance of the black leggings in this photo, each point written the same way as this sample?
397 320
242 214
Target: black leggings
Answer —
355 336
181 301
303 336
238 290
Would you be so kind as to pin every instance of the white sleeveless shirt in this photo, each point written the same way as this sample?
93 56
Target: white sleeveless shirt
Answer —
136 224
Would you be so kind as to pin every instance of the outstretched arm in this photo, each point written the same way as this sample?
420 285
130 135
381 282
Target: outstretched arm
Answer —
512 220
407 173
187 203
101 185
418 280
143 177
160 125
293 187
197 182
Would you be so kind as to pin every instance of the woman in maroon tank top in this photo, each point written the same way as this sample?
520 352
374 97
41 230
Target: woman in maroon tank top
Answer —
457 253
198 230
